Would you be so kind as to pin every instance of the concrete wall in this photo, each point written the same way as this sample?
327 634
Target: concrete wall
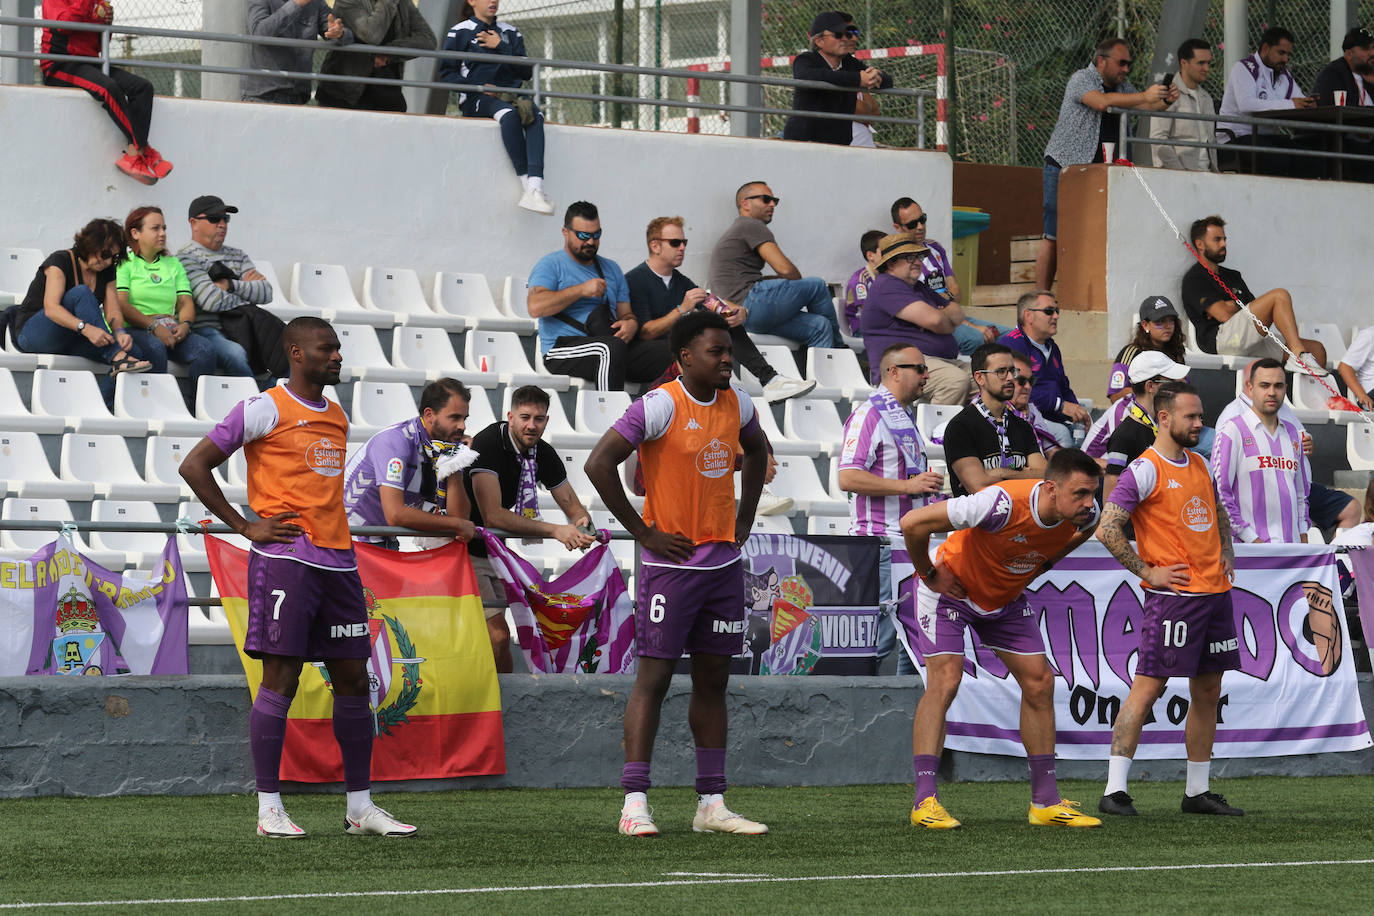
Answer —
1306 236
189 736
433 193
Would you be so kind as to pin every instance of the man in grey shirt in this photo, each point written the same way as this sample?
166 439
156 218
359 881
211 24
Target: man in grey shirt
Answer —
303 19
788 304
1083 126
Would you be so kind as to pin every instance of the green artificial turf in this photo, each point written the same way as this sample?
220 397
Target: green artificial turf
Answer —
145 848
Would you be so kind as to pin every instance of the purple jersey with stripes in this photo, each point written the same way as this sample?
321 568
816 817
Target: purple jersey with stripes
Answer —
393 457
869 446
1263 480
1100 433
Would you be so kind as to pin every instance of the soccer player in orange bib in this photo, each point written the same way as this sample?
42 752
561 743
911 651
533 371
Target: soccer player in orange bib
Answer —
1004 536
1185 562
305 600
691 584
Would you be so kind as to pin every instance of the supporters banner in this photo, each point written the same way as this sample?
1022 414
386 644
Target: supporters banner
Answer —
1362 567
62 614
1295 692
582 622
435 700
812 604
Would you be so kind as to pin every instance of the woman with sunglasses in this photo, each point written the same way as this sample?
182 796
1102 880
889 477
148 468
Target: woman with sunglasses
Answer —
1157 329
71 307
155 297
520 120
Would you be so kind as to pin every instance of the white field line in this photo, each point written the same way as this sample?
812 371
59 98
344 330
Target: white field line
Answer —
460 891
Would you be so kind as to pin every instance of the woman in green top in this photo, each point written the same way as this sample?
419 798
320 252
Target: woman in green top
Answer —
155 297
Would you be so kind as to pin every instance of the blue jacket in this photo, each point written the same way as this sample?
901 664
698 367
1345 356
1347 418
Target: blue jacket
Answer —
463 37
1051 383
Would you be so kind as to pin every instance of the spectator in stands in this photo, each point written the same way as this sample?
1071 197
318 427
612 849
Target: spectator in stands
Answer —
788 304
409 475
1084 125
883 463
865 103
127 98
1037 314
1260 82
1020 404
71 306
155 297
1261 473
1351 73
1157 329
393 23
1138 428
856 290
902 309
660 295
1361 535
223 281
830 60
1356 369
586 325
304 20
1220 324
985 443
938 273
512 460
520 120
1194 65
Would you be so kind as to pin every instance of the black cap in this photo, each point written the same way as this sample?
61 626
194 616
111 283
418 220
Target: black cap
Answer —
830 21
209 205
1358 37
1157 307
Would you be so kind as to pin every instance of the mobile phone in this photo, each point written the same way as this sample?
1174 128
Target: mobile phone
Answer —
1168 80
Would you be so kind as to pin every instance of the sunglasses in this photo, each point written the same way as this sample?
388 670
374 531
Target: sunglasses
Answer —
1052 310
586 236
922 368
851 32
766 198
918 221
673 243
215 220
1027 380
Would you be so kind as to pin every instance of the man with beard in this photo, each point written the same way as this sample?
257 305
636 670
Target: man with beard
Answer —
1220 324
1004 537
691 587
1186 562
586 325
1350 73
985 443
1259 83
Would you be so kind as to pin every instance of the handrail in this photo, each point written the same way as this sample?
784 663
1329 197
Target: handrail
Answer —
1240 144
43 524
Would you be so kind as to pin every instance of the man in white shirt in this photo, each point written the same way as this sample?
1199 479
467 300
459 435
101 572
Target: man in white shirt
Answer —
1259 83
1356 369
1194 64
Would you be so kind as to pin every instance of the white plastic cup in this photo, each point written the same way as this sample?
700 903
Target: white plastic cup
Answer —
1109 153
1340 96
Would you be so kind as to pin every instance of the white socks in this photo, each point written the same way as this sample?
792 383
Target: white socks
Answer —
359 802
1198 777
268 800
635 801
1118 769
524 182
534 183
710 801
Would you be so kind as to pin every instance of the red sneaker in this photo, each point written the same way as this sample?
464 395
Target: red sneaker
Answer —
136 167
160 167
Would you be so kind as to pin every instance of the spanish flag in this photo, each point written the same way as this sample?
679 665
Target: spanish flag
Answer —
436 703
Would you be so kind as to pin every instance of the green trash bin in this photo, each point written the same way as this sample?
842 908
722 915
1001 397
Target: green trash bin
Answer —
969 222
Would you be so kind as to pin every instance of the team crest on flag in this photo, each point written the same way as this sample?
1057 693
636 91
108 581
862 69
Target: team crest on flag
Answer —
381 667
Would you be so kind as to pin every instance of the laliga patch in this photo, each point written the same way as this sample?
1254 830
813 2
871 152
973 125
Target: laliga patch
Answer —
394 470
1118 380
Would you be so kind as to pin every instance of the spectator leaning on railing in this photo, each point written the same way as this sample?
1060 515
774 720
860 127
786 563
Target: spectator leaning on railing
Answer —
1350 73
831 60
302 19
1260 82
1194 64
127 98
394 23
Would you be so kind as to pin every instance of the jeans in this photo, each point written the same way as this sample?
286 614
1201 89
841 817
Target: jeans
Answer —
231 358
970 338
196 352
41 334
799 310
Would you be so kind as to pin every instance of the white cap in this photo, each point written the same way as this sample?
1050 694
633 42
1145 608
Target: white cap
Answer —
1151 363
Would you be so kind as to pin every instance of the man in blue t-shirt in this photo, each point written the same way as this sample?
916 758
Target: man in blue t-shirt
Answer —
586 325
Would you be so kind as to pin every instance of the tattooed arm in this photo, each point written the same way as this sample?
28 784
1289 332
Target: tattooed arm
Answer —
1112 533
1228 544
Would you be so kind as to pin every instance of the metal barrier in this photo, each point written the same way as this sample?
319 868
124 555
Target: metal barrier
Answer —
538 65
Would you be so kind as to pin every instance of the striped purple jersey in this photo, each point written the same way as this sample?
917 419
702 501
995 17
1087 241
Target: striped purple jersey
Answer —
1100 433
1262 480
869 446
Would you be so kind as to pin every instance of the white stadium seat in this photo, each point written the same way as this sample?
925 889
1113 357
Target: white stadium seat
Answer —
280 303
827 524
1359 446
363 357
480 414
15 415
397 290
505 358
1329 335
1195 358
468 295
73 395
25 469
18 267
377 405
814 418
798 479
930 422
216 395
782 443
156 399
326 287
162 459
141 549
19 544
771 524
777 356
837 373
514 293
103 460
1309 397
192 546
597 411
430 350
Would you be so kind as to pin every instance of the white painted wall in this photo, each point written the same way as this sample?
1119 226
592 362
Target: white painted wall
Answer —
435 193
1306 236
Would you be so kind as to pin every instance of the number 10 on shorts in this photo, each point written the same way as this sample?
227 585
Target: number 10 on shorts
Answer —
1175 633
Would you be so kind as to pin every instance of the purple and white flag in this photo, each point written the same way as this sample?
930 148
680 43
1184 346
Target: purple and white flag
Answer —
580 623
60 613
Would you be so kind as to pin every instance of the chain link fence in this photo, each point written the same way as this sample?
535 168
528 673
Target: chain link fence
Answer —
161 14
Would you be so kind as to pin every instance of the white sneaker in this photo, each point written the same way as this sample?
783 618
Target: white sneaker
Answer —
535 199
377 822
720 819
637 820
277 824
771 503
1306 362
780 388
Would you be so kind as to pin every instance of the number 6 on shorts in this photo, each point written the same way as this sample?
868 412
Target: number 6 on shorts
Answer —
657 611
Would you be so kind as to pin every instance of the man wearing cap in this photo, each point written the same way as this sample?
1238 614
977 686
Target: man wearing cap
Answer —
1138 429
224 279
902 309
829 61
1350 73
1037 316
